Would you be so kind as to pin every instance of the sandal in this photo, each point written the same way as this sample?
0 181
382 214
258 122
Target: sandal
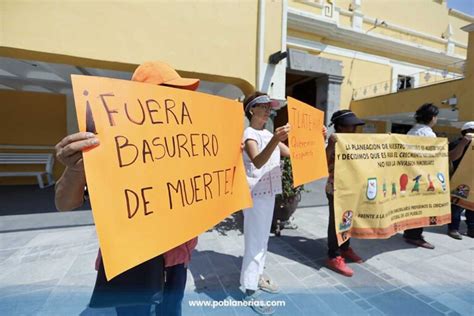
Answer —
267 285
259 309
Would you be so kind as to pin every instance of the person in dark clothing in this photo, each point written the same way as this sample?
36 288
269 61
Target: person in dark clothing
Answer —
159 281
457 149
345 121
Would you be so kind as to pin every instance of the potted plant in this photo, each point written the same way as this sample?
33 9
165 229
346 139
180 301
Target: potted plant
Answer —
286 202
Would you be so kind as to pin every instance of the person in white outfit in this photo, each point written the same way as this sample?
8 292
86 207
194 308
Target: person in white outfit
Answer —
426 117
262 151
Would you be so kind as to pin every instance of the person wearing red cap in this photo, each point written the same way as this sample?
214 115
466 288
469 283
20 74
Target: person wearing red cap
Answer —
344 121
134 291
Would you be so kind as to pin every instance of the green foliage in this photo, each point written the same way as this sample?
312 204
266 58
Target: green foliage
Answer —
288 191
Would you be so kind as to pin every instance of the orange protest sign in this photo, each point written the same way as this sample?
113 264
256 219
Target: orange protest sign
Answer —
308 155
169 165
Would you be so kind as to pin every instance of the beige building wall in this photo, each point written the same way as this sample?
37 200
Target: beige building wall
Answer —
31 119
427 16
466 113
302 5
457 23
273 29
358 73
214 40
409 100
401 13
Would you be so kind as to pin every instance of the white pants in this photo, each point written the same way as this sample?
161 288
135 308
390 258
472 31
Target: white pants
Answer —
257 223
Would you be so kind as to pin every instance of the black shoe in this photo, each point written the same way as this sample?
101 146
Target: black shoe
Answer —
470 232
453 233
420 243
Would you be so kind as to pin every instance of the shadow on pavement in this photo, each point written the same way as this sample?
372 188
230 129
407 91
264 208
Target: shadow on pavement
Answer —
313 252
216 275
443 230
368 248
233 222
307 251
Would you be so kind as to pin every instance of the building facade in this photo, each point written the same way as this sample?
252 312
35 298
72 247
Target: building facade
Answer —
370 55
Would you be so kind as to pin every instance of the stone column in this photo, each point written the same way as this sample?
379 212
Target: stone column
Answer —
328 94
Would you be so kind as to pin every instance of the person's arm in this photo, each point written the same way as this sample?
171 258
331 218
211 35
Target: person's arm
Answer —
69 189
259 159
284 150
325 132
457 152
331 148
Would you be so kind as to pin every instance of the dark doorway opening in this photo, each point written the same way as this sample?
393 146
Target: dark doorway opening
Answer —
301 87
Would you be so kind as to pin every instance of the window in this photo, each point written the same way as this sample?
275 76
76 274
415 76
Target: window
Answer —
405 82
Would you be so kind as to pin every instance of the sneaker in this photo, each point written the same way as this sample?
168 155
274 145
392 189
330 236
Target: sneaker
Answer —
261 310
470 232
339 265
267 285
420 243
454 234
349 254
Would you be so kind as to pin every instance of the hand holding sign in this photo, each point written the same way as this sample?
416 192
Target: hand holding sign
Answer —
281 133
69 149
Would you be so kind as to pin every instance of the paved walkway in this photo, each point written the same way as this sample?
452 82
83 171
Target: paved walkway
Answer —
49 271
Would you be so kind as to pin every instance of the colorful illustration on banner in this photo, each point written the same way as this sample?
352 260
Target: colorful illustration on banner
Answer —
433 220
416 186
371 189
344 236
403 183
441 179
346 221
394 207
431 187
462 191
396 227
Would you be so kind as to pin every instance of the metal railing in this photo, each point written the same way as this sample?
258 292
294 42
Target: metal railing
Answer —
421 79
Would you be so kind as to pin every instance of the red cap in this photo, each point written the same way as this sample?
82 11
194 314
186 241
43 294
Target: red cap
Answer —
160 73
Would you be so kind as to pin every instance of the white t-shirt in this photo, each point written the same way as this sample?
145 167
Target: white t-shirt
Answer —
265 181
421 130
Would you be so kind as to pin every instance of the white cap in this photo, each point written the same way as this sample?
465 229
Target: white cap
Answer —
468 125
